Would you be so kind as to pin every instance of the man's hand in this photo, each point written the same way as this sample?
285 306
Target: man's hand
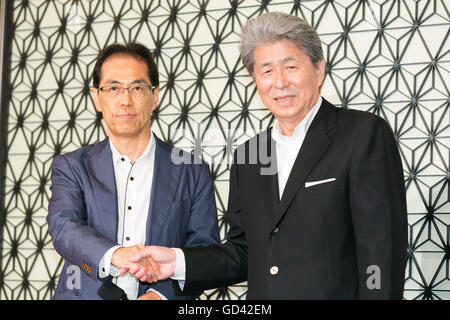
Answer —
150 296
144 267
164 257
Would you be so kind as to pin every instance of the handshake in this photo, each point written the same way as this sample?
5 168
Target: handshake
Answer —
147 264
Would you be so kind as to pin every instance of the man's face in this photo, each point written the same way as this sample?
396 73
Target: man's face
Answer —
287 81
125 115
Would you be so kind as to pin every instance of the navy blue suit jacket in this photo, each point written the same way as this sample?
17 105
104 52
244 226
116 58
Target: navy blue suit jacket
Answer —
83 213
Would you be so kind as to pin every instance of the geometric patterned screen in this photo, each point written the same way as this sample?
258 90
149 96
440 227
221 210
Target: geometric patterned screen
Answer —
391 58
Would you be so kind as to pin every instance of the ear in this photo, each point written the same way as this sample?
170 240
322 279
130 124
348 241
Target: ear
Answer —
96 101
155 98
320 66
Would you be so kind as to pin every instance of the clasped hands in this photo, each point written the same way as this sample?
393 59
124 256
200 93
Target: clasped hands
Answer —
147 264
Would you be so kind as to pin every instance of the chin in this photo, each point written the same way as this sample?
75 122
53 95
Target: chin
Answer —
285 115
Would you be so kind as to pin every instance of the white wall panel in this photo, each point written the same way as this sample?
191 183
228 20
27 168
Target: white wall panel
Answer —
391 58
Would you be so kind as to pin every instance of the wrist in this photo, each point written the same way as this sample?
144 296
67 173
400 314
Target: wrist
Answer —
106 268
116 257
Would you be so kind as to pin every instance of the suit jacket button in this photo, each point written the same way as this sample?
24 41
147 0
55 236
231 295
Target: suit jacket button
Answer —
274 270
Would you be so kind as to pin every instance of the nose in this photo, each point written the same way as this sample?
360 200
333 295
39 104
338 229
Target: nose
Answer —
280 80
125 98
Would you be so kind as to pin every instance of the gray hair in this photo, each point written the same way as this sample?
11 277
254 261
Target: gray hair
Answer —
275 26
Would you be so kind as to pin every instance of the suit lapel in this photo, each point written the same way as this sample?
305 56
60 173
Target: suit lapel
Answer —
268 177
101 174
164 185
316 142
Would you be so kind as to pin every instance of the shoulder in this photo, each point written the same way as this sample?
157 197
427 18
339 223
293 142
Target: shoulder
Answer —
361 127
357 119
177 156
78 155
357 116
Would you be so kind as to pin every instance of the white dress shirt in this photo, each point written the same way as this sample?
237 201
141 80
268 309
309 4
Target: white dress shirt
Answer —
134 185
287 148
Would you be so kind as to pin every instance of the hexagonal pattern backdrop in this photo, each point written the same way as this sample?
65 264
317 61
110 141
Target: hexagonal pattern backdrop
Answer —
388 57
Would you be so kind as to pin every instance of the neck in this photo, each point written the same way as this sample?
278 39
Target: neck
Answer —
288 125
131 147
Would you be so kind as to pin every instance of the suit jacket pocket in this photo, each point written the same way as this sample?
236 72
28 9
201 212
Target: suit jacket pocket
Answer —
322 188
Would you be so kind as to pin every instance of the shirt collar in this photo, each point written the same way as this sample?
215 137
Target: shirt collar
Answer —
146 155
301 129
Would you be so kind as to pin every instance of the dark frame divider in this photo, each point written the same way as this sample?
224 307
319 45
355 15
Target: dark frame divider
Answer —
8 30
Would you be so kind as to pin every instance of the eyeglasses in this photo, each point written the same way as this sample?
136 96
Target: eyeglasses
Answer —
139 90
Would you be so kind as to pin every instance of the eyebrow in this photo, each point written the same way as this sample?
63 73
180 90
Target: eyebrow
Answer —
113 81
284 60
288 59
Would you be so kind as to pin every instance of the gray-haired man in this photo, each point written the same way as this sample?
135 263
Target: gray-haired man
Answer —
331 223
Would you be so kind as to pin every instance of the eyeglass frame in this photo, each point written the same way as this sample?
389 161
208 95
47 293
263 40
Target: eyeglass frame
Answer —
152 88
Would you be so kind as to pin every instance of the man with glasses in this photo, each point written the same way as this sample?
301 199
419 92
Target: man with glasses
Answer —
111 198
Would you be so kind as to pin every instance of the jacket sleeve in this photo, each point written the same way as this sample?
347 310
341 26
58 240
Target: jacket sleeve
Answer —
220 265
202 230
378 211
72 237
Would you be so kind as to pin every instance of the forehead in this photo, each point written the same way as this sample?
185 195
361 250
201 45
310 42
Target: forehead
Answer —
277 51
124 68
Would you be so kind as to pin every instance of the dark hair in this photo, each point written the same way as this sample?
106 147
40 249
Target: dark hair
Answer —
132 49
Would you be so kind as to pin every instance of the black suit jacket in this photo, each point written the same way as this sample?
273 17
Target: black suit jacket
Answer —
343 239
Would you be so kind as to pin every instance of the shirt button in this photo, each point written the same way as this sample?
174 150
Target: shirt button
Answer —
129 208
274 270
127 238
123 159
132 179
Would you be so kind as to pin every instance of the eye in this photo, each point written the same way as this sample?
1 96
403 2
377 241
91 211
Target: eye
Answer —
291 67
137 88
113 89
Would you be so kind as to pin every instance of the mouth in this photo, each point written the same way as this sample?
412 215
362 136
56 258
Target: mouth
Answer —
285 98
126 116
